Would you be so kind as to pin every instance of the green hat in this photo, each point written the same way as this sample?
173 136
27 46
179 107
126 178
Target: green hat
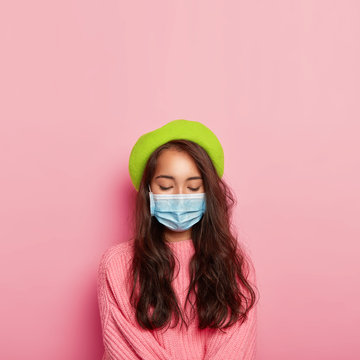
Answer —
174 130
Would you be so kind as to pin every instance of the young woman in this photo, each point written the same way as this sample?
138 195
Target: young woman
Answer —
182 287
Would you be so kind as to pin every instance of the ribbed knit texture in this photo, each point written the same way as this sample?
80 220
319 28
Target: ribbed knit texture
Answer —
123 338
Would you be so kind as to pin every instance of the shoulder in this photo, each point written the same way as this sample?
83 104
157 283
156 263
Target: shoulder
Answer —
115 253
113 271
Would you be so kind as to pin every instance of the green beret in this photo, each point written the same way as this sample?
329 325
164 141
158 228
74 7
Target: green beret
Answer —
174 130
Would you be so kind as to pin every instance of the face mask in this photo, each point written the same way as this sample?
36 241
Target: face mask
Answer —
177 212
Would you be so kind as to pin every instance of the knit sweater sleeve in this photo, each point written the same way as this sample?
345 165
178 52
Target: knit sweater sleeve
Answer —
239 341
123 338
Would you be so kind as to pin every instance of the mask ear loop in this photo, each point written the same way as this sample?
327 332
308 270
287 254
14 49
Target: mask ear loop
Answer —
151 200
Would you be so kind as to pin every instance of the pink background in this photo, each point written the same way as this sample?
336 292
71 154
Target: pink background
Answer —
277 81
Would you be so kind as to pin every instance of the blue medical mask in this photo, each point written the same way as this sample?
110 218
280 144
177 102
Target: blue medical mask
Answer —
177 212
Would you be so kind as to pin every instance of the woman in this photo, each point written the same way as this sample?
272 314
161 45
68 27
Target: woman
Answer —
182 287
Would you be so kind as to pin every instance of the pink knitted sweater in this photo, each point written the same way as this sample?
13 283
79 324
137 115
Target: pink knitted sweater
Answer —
123 338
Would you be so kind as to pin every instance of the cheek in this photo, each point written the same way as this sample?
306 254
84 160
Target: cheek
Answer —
151 186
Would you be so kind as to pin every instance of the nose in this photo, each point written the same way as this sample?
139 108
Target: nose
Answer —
178 189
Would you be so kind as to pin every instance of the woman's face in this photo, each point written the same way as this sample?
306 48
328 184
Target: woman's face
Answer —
176 173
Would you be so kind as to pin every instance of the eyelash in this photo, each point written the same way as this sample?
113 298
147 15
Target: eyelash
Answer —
167 188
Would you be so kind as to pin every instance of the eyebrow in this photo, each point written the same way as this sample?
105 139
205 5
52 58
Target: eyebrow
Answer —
171 177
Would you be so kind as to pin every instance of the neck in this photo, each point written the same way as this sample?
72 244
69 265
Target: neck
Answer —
173 236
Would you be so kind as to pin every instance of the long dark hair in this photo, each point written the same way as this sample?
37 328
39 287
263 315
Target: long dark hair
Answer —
219 269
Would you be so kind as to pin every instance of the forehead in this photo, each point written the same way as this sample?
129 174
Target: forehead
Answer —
176 163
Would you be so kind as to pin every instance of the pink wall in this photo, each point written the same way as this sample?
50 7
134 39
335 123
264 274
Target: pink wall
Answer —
277 81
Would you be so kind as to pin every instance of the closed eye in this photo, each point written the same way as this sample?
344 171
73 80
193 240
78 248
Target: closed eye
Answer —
190 188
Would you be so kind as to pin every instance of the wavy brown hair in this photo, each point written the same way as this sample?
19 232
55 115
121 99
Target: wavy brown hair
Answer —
219 269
